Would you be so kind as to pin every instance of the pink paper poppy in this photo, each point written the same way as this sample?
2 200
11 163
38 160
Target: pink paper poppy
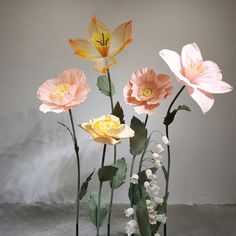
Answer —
146 90
61 94
202 78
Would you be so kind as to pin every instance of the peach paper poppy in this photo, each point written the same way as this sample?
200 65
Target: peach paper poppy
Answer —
202 78
102 46
61 94
146 90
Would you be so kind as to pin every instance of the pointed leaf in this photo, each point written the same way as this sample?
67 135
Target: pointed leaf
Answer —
171 115
119 178
139 140
84 186
93 206
143 218
106 173
118 111
103 85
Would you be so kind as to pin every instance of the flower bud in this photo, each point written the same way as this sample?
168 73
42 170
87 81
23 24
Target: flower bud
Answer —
165 140
146 184
160 148
148 173
129 212
134 179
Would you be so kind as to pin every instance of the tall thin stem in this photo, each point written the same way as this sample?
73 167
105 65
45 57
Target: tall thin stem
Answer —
168 152
78 167
115 154
110 89
100 190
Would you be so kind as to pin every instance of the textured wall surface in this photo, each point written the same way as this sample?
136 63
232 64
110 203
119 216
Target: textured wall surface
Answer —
37 163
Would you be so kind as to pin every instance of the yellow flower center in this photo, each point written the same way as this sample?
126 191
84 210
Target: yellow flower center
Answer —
197 67
106 124
102 41
147 92
61 90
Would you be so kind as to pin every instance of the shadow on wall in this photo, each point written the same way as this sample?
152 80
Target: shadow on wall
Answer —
40 166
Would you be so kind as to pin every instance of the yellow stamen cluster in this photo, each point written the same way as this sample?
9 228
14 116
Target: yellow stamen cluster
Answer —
105 125
147 92
61 90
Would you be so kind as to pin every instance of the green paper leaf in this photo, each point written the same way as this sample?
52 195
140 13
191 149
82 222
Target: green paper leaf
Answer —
139 140
106 173
84 186
143 218
119 178
171 115
118 111
134 194
93 206
103 85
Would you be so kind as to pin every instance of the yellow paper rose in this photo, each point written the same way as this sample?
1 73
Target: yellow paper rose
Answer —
107 129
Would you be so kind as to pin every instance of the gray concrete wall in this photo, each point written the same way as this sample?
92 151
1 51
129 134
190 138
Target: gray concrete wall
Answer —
36 155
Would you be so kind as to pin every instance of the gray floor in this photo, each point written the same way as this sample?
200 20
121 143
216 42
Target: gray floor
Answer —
58 220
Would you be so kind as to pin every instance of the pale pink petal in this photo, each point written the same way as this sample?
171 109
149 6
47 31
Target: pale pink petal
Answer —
213 68
47 108
203 99
45 90
173 61
190 54
211 85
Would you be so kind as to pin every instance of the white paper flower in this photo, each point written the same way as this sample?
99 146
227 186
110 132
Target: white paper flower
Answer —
158 200
148 173
157 163
155 155
165 140
161 218
129 212
134 179
160 148
156 234
146 184
131 227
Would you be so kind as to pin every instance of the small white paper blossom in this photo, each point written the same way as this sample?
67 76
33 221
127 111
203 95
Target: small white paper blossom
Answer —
161 218
156 234
131 227
134 179
165 140
158 200
129 212
157 163
155 155
160 148
148 173
146 184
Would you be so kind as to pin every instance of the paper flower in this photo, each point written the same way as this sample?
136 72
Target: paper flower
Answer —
61 94
107 129
129 212
146 90
131 227
202 78
134 179
102 46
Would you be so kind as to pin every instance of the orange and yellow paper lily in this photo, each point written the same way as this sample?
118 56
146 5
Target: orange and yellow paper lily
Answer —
102 46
